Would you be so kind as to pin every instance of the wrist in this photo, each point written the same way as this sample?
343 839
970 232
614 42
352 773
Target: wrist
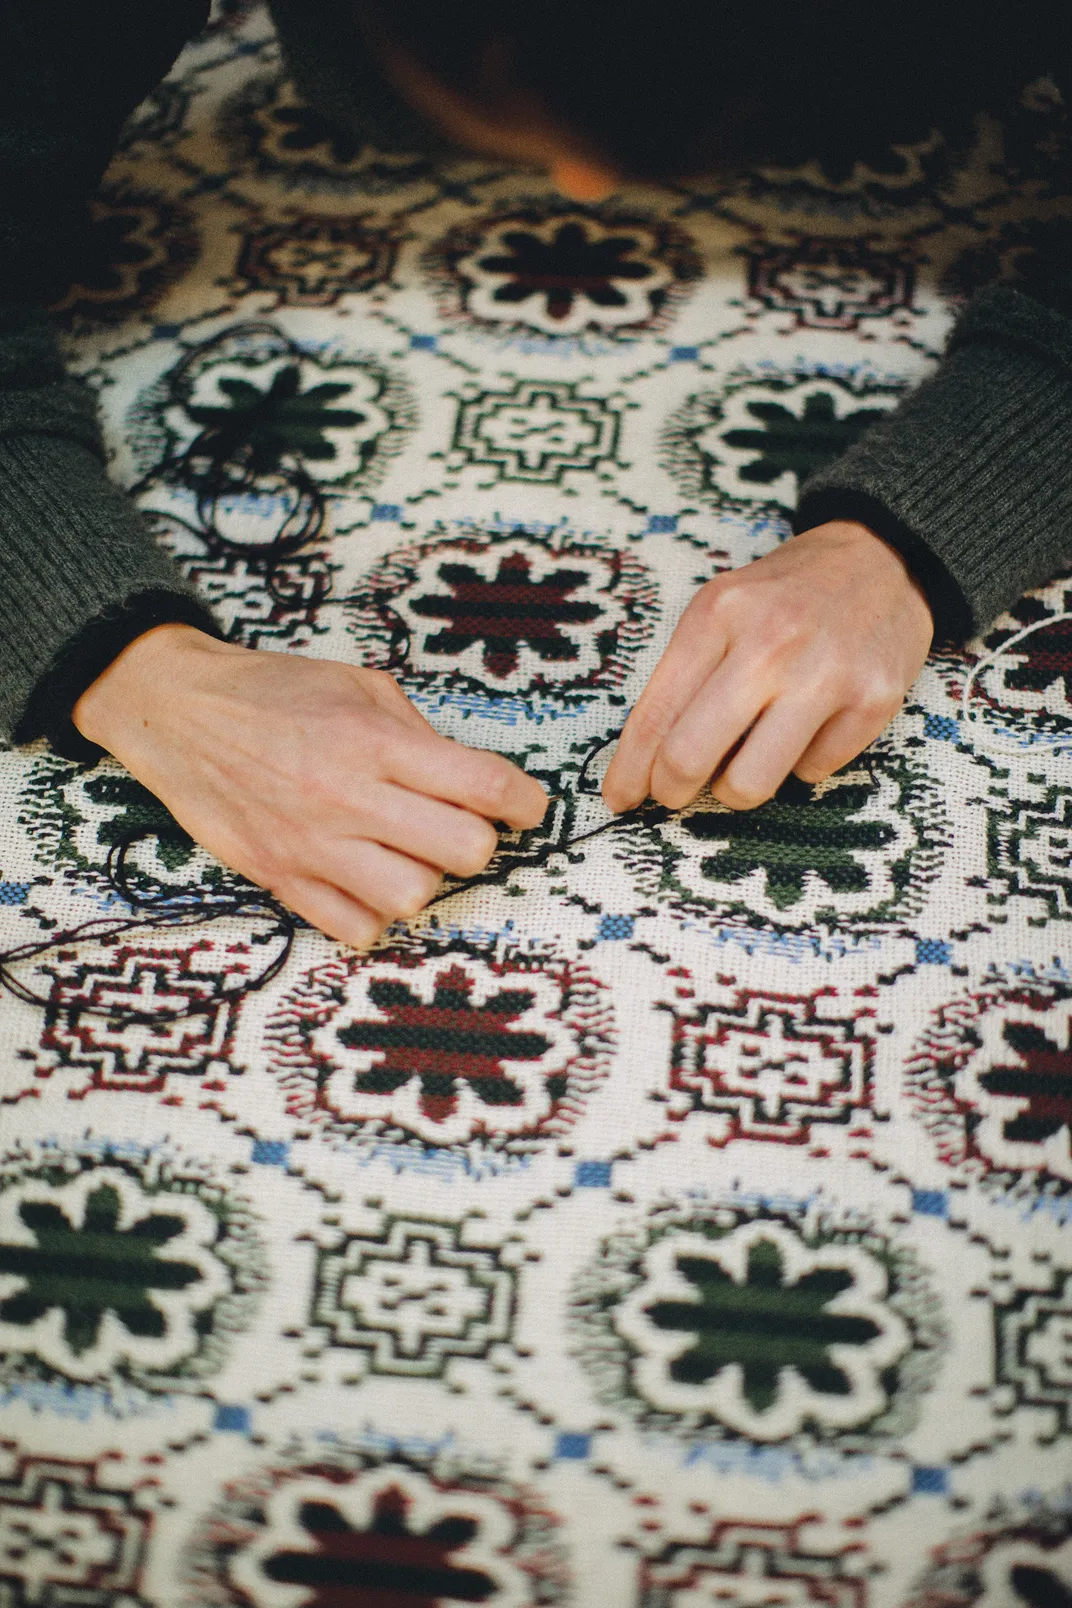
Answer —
850 535
124 695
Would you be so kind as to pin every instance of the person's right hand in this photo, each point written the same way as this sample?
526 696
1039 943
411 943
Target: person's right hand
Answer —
317 780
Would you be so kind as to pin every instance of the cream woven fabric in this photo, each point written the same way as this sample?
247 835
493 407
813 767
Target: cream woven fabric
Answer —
678 1216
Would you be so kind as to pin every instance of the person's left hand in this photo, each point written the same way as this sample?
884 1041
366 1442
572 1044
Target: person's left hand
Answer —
792 663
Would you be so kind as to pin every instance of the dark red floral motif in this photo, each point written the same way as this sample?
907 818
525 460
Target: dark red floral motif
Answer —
992 1079
580 272
568 266
1043 1081
385 1536
384 1564
505 612
1046 659
444 1041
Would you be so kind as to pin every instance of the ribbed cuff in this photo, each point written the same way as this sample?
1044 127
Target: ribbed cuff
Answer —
73 550
88 655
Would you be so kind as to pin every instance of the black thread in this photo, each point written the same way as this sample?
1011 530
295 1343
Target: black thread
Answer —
177 912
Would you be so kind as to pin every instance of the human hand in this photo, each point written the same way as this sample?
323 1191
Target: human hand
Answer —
314 779
792 663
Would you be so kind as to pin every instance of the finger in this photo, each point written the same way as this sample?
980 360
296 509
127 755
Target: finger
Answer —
392 885
770 751
694 651
470 777
333 912
843 736
441 834
717 717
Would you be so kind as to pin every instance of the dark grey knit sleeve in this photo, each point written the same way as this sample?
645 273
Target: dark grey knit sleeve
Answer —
971 477
80 574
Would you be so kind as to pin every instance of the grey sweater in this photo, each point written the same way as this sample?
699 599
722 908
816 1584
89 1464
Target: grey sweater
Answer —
971 478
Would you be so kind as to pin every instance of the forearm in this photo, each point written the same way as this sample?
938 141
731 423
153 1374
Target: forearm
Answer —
971 478
80 577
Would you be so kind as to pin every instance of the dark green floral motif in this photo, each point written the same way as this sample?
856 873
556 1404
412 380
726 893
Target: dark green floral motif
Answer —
796 444
763 1324
140 815
93 1269
260 428
801 830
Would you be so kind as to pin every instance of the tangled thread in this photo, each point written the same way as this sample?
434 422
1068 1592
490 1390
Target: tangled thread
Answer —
171 912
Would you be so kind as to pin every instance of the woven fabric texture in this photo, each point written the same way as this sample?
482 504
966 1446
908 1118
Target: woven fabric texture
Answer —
678 1215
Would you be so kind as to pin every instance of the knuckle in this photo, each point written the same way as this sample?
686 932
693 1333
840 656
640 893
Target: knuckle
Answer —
495 784
882 700
490 782
779 637
368 739
474 854
650 720
379 679
680 769
737 795
415 892
720 593
712 601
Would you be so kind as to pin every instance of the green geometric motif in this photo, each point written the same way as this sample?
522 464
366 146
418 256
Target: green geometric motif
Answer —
261 428
1029 850
761 437
140 815
800 832
107 827
94 1268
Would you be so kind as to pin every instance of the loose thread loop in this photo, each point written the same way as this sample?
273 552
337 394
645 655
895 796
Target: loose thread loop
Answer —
974 724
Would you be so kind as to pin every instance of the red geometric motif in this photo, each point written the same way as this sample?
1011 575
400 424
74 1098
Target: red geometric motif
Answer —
506 611
135 1018
769 1065
830 284
446 1042
313 260
1022 1565
391 1535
